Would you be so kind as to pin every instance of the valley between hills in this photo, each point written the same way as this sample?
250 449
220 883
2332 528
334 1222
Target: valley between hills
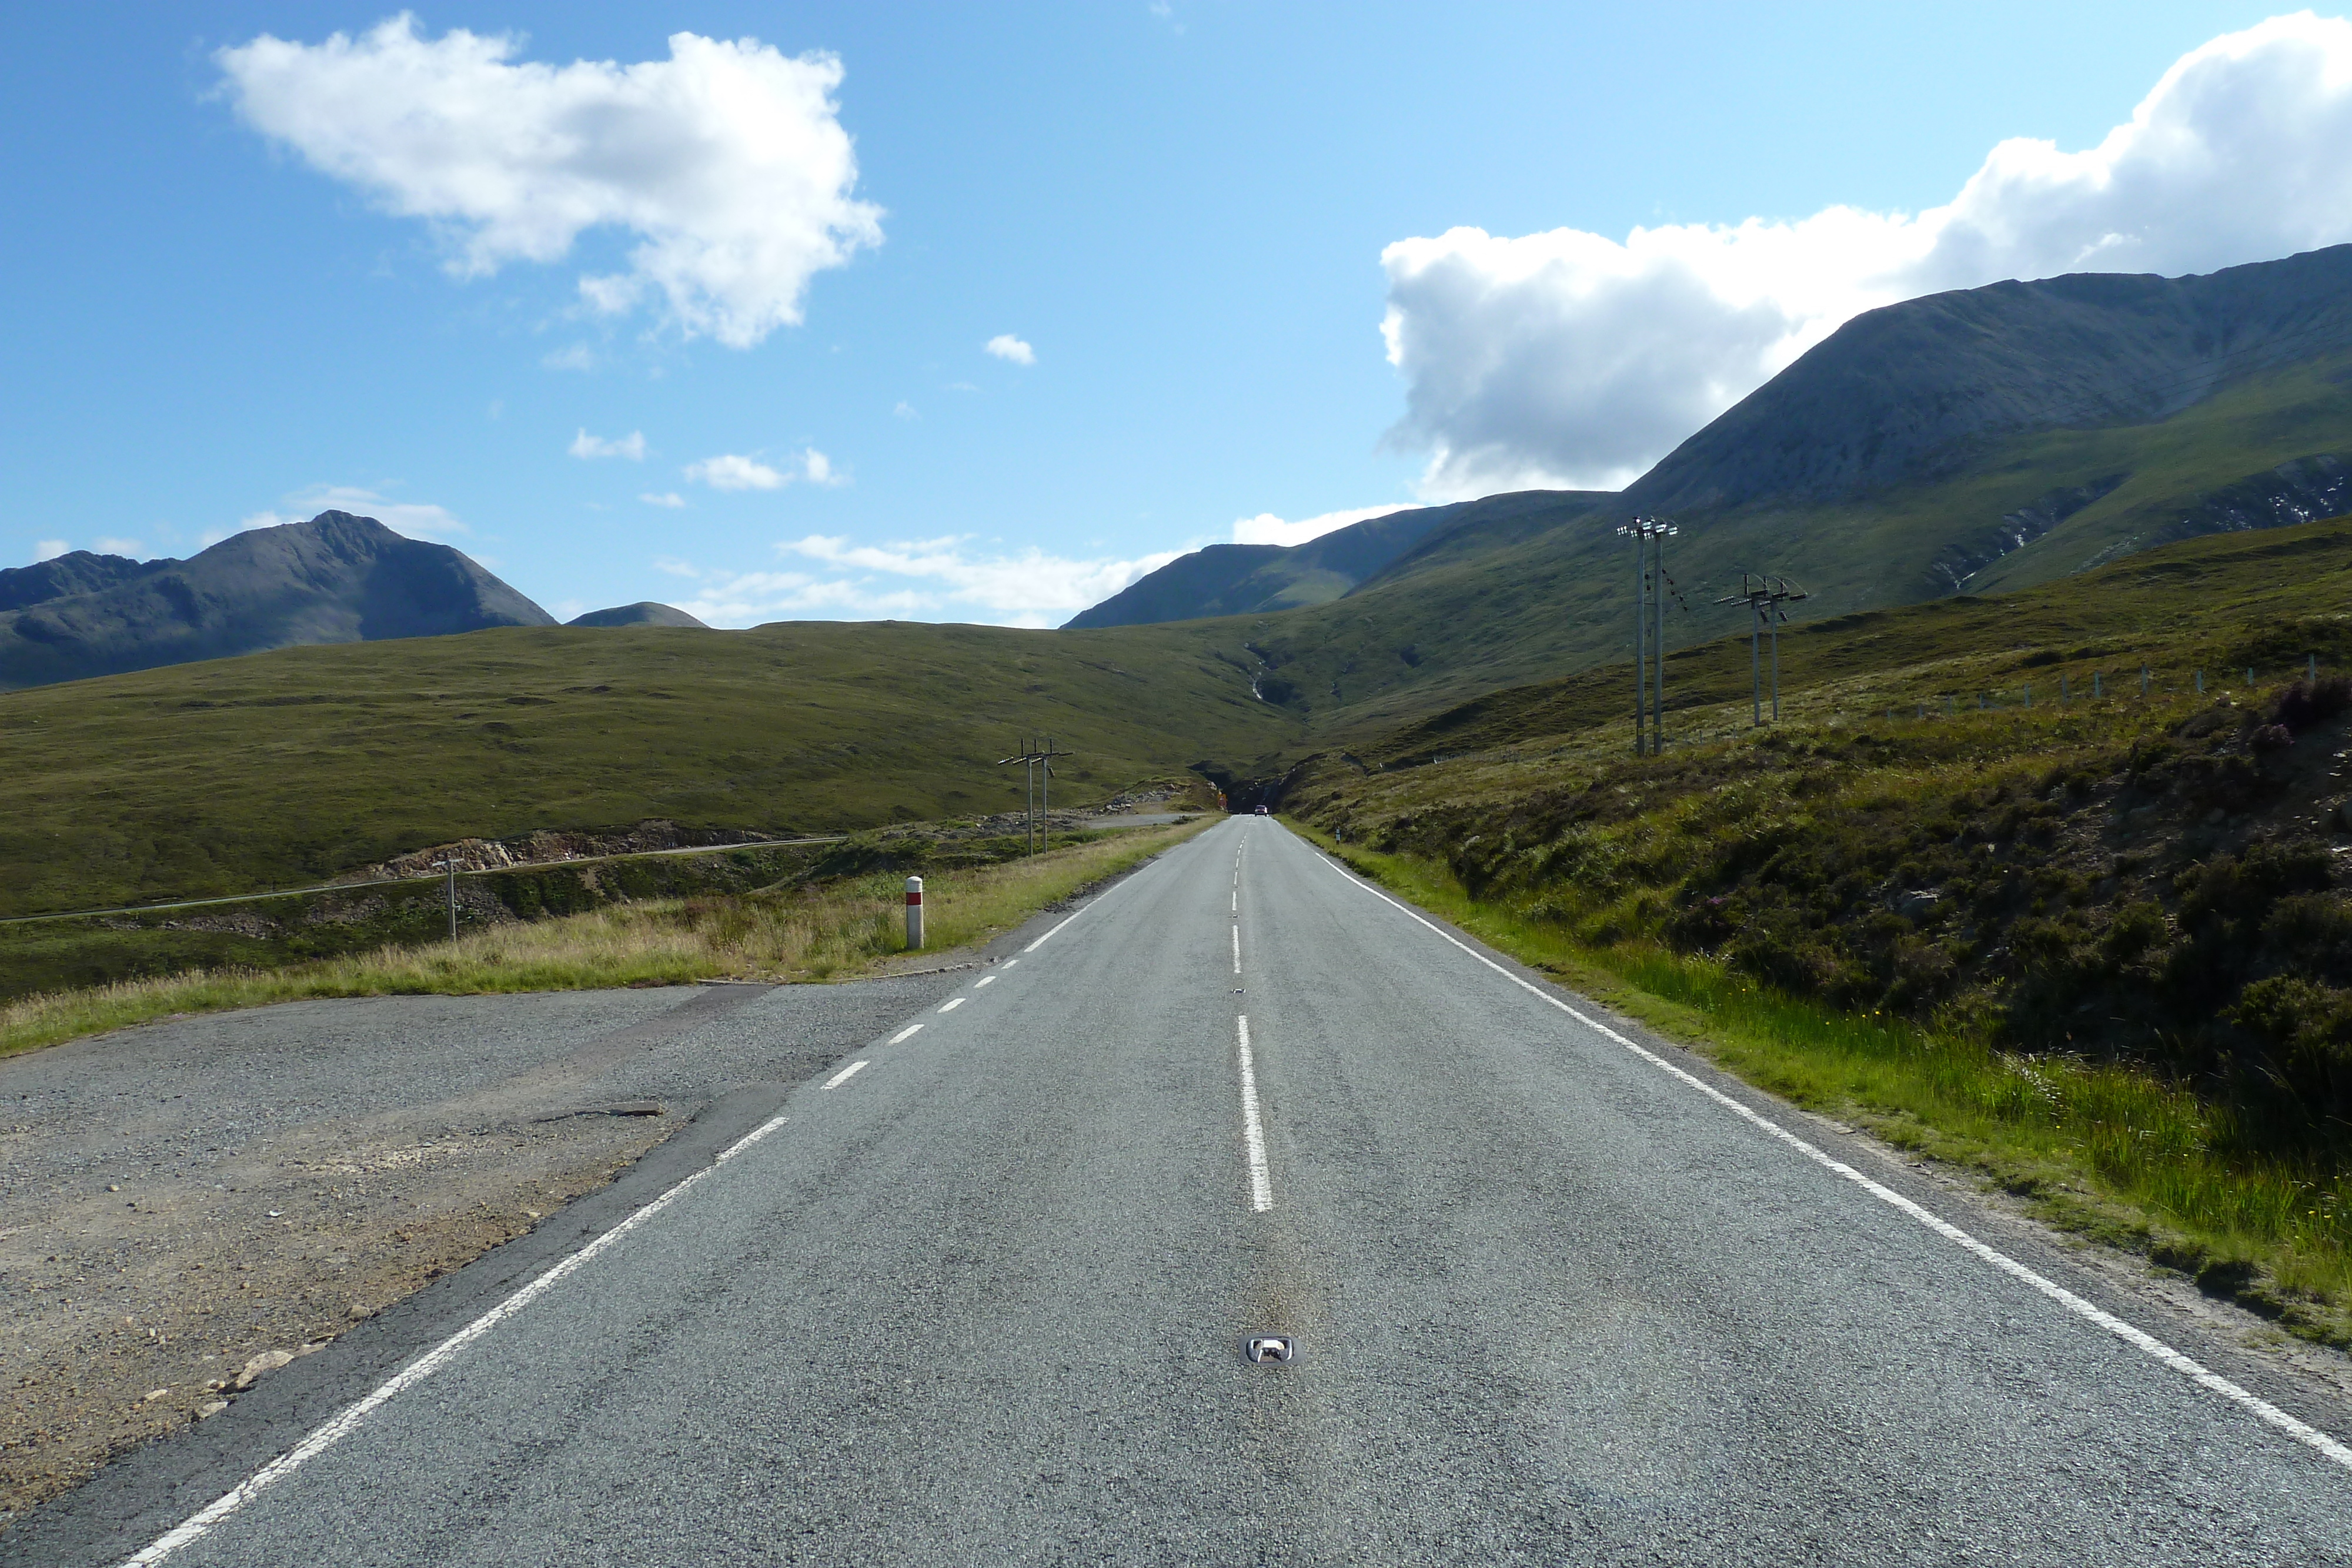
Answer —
2039 877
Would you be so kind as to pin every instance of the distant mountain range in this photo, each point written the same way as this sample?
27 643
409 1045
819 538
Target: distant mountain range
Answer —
335 579
1984 438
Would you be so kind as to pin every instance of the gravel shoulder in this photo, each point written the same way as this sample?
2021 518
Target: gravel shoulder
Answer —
199 1202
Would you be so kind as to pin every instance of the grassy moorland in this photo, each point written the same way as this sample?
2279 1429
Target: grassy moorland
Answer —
821 928
2098 947
288 767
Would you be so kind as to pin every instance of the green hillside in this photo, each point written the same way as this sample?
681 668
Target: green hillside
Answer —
1550 592
288 766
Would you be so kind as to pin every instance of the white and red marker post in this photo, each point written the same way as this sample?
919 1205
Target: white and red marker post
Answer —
914 912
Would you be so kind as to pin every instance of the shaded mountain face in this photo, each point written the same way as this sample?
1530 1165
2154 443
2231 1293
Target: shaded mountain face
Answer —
1918 391
1248 579
645 612
80 571
335 579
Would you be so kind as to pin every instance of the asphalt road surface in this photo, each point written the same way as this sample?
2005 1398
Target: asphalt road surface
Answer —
981 1294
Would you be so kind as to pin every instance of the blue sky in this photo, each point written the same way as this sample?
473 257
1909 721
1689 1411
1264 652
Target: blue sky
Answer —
1177 215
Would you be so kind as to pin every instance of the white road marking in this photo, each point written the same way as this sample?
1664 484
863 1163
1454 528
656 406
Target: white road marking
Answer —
954 1003
347 1421
1010 962
1253 1129
907 1033
2138 1339
983 980
1237 949
1237 901
844 1076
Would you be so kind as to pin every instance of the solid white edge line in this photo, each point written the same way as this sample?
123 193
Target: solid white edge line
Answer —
952 1003
907 1033
1253 1127
2138 1339
846 1074
342 1425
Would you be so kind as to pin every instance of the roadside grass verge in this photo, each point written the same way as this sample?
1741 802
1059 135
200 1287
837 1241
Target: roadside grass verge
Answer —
840 929
2106 1152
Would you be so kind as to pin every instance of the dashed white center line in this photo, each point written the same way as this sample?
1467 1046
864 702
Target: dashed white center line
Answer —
907 1033
1237 949
844 1076
954 1003
1237 901
1253 1128
983 980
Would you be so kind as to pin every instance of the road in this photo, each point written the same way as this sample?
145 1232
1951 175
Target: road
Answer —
1559 1294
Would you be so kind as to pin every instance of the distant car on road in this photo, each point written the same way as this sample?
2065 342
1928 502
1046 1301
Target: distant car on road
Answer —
1261 810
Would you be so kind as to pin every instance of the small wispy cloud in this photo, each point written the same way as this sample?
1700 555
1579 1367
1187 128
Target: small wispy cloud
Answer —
118 546
416 520
669 498
905 411
49 549
943 578
733 471
630 446
578 356
1005 345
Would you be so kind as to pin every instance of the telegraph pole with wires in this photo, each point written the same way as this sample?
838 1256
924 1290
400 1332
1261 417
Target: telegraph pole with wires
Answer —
1036 760
1651 586
1763 596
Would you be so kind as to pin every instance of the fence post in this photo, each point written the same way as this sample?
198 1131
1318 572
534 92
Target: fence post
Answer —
2311 668
2098 683
2143 680
914 913
2200 683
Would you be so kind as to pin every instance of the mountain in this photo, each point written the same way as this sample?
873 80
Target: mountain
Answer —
335 579
1979 440
1923 389
645 612
1247 579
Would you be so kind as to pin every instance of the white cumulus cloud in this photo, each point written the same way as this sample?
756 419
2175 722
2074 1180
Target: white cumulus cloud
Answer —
49 549
1005 345
630 446
1266 529
727 160
1570 358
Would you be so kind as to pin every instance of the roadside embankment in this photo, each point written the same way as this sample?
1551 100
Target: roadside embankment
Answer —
2099 952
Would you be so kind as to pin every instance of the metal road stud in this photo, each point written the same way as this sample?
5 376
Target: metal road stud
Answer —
1270 1349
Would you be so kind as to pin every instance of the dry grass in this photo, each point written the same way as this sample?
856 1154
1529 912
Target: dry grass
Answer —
839 930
